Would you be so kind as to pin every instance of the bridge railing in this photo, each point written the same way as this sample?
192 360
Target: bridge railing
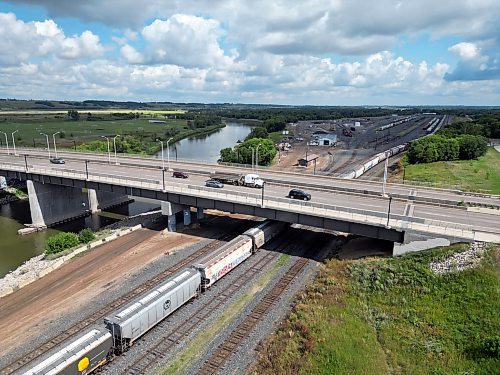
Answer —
302 207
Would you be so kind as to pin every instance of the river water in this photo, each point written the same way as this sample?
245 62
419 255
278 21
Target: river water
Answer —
206 147
16 249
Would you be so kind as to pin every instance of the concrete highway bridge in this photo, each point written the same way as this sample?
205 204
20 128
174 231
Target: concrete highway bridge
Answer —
412 217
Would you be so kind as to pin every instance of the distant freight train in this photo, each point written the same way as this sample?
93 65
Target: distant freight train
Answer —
93 348
366 166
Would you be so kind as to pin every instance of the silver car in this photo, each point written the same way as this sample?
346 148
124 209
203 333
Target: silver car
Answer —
214 183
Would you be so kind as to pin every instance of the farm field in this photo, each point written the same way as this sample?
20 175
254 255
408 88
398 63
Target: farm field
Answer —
392 315
482 174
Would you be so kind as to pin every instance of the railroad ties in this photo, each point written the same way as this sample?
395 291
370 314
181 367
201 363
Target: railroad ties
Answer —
244 329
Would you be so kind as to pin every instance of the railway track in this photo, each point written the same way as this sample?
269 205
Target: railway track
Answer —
102 312
183 329
244 329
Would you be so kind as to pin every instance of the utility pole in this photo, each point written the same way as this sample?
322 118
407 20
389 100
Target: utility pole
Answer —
385 176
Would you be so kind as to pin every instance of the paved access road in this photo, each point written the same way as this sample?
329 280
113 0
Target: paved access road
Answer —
278 184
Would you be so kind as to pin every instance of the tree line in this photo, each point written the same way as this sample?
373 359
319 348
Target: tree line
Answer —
462 140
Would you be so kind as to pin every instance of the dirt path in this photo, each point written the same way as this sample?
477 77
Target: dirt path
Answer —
26 312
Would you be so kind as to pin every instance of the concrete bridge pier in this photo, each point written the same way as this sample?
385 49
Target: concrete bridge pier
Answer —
3 182
99 200
200 214
51 204
187 215
170 210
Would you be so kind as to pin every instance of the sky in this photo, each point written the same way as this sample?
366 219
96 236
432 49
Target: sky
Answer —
307 52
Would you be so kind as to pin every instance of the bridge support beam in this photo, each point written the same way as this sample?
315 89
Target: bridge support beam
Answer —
99 200
170 209
187 216
50 204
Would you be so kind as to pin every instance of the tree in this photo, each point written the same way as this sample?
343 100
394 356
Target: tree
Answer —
86 235
258 132
74 115
472 147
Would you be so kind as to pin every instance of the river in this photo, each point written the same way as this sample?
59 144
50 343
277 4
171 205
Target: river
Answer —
16 249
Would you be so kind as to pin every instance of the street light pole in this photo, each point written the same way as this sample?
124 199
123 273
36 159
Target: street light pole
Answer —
6 142
257 158
114 145
168 153
13 141
26 162
87 168
252 155
48 145
389 212
109 152
263 184
54 138
385 176
162 157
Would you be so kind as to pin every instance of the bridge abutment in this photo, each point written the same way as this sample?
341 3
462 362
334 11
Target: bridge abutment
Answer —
414 242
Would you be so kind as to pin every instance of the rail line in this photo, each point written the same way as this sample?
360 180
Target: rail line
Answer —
184 328
243 330
99 314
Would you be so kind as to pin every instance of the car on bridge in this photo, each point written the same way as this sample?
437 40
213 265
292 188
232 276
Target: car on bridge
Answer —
57 161
180 174
299 194
214 183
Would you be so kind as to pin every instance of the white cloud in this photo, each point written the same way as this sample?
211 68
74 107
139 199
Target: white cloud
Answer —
183 40
466 51
26 40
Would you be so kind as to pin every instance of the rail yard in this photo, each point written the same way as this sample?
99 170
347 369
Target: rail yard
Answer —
78 318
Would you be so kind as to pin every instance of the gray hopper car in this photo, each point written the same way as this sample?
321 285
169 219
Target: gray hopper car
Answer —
81 356
137 317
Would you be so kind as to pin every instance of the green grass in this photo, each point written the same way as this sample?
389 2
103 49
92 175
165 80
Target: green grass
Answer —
482 174
392 316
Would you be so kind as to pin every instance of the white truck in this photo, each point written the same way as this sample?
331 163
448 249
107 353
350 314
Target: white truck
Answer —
249 179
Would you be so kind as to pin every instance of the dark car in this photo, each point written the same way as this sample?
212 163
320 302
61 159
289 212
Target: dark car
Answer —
299 194
214 183
179 174
57 160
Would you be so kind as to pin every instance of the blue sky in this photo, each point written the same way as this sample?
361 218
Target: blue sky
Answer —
315 52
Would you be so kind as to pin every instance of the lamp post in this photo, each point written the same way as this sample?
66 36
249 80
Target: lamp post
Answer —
162 157
257 158
385 176
389 212
109 152
54 138
263 184
6 142
252 155
13 141
114 145
168 153
48 145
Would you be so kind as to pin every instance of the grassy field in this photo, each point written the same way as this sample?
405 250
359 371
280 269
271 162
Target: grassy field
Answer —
83 131
472 175
392 316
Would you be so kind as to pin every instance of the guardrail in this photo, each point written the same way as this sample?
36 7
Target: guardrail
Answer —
302 207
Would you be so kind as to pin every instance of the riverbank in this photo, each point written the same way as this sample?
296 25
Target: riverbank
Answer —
41 265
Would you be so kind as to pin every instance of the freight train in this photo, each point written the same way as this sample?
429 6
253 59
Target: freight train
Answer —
373 161
97 346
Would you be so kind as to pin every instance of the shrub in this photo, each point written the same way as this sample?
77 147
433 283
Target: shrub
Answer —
490 347
86 235
60 242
